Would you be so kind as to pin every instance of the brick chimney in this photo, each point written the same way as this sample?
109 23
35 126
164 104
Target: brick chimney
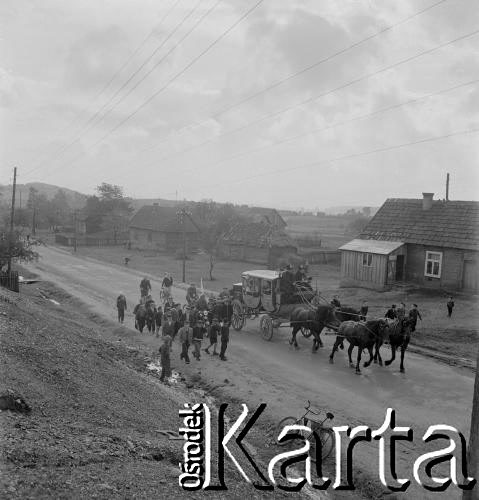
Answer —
427 200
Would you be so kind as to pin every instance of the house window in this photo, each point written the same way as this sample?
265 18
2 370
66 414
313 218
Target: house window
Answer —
367 259
433 264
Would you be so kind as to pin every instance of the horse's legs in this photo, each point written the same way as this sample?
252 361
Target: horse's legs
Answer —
360 351
293 341
403 350
339 341
370 350
393 346
378 354
350 352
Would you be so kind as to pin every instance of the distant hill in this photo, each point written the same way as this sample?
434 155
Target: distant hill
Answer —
75 199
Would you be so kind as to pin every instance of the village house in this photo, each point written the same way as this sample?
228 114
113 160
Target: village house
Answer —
433 243
160 228
269 216
257 242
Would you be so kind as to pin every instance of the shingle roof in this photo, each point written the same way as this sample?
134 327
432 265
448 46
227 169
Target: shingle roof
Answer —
257 234
453 224
258 214
163 219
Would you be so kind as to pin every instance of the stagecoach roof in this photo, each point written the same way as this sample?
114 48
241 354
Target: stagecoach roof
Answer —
372 246
262 273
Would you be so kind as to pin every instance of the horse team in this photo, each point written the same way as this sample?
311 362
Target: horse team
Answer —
351 325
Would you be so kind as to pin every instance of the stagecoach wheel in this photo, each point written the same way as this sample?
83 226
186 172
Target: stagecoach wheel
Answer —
238 317
306 332
266 327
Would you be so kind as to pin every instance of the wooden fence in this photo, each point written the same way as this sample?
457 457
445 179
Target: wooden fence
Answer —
10 280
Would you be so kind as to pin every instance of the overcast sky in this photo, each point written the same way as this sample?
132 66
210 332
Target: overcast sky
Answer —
208 121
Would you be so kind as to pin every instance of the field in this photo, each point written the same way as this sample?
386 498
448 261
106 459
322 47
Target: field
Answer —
331 230
455 338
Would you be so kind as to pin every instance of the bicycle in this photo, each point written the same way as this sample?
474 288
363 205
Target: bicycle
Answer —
326 434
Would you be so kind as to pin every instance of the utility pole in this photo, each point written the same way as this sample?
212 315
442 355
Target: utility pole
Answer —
182 214
447 187
473 449
12 215
75 229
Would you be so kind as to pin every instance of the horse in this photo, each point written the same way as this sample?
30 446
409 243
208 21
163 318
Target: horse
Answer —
314 319
361 335
399 336
140 317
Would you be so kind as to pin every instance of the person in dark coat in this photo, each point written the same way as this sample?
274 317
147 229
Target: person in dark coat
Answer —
391 312
414 314
335 302
191 294
214 331
185 335
300 274
165 358
168 328
225 338
199 331
202 303
121 306
145 287
450 306
401 311
363 312
158 319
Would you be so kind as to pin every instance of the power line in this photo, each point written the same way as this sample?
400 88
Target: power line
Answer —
336 124
104 88
347 157
319 96
276 84
92 122
171 80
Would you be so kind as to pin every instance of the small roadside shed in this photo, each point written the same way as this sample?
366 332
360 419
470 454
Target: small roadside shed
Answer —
372 264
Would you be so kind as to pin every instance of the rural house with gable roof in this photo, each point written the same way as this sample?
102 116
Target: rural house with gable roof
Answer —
257 242
159 228
434 243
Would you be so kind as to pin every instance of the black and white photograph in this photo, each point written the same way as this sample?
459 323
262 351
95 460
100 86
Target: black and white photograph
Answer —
239 249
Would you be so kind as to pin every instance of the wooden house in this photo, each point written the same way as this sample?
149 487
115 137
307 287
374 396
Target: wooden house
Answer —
433 243
257 242
160 228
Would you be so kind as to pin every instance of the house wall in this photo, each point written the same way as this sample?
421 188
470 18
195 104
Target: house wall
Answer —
353 273
454 262
144 239
244 253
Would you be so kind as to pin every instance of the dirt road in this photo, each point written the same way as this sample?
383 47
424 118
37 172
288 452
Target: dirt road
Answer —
428 393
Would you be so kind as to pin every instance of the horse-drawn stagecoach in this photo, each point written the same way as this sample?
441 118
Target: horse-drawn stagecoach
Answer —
263 293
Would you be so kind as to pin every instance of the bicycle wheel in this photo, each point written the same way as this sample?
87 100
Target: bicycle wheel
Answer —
326 437
280 426
327 442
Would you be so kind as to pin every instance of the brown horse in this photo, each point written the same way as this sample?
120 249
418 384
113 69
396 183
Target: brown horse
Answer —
399 336
361 335
313 319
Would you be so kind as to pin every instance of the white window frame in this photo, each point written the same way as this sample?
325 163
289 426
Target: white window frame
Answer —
369 259
429 259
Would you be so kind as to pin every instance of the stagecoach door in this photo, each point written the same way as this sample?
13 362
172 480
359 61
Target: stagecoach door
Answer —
251 291
268 295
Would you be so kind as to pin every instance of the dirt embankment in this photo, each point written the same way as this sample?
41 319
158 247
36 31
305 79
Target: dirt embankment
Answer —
95 411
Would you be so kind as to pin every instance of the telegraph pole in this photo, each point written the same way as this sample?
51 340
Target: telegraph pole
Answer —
473 449
12 215
182 214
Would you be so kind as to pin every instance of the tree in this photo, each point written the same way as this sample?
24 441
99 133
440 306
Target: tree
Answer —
109 211
214 220
367 211
12 245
